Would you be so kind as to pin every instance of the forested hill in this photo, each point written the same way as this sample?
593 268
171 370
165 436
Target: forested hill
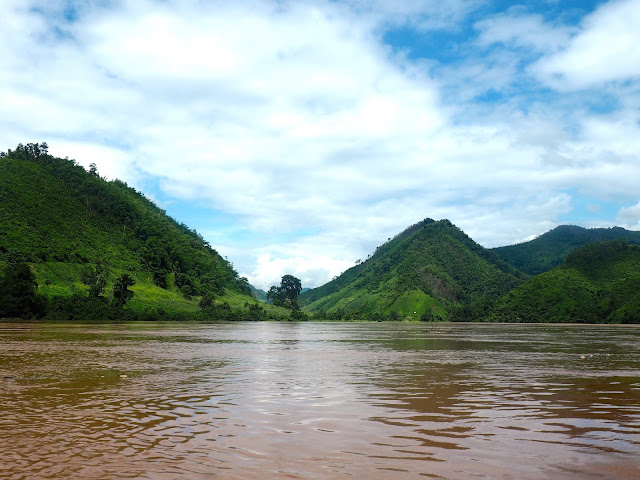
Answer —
54 214
550 249
429 271
596 283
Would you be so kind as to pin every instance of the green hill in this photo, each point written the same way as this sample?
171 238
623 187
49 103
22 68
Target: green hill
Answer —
551 248
597 283
67 223
429 271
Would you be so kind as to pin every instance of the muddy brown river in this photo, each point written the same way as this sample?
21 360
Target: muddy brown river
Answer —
319 400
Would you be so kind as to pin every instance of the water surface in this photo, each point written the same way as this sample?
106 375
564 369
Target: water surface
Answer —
319 400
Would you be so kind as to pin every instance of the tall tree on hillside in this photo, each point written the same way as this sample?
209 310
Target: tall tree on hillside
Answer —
121 292
273 297
291 287
95 279
287 293
18 298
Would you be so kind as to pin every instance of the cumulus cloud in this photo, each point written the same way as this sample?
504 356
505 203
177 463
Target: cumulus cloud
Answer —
297 121
606 49
629 217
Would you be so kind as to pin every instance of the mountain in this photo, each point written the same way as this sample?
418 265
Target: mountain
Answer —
68 223
597 283
551 248
427 271
258 294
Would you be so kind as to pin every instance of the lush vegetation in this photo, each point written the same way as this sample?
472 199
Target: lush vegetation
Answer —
74 246
597 283
551 248
430 271
100 249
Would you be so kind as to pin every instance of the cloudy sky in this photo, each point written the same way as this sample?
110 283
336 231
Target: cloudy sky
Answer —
296 136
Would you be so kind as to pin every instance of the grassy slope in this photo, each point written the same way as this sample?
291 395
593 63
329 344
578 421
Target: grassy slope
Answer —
42 218
62 220
63 279
551 248
431 267
596 283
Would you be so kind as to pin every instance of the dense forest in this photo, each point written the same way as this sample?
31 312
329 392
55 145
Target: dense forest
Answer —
74 246
83 237
597 283
550 249
433 271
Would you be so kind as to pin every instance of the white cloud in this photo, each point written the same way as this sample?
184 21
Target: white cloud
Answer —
607 49
299 123
420 14
629 217
114 163
268 269
522 30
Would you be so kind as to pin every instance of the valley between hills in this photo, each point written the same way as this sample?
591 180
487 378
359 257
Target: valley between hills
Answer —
74 246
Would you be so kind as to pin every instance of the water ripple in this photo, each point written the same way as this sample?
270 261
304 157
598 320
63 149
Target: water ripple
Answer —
319 401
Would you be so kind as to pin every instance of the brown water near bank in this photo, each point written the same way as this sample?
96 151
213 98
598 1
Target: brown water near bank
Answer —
319 400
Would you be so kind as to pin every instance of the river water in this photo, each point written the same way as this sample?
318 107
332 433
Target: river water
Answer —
319 400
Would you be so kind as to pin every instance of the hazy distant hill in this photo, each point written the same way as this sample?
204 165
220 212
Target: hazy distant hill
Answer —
551 248
597 283
63 220
258 294
427 271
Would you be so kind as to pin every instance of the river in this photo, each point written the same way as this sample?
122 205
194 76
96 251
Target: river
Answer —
319 400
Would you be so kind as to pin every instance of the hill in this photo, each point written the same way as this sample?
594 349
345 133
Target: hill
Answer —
68 224
428 271
597 283
551 248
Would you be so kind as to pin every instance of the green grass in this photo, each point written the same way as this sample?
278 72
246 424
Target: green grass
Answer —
59 279
417 303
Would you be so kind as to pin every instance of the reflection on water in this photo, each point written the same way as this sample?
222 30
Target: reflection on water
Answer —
319 400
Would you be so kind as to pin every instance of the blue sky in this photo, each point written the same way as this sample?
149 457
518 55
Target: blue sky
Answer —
298 136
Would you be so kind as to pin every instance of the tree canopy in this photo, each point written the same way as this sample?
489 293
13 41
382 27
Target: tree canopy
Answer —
286 294
18 297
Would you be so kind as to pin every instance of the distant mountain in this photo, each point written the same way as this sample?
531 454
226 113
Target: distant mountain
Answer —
258 294
427 271
551 248
597 283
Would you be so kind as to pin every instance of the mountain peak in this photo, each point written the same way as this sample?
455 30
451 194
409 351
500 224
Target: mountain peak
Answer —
429 269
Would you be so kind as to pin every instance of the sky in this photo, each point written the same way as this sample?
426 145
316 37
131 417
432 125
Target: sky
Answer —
297 136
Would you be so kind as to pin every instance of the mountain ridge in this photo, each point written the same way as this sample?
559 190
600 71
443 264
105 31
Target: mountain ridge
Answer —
70 225
428 269
551 248
597 283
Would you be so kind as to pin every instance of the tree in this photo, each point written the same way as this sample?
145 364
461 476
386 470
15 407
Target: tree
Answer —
207 300
160 278
18 298
95 279
121 292
186 292
290 287
272 296
287 293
